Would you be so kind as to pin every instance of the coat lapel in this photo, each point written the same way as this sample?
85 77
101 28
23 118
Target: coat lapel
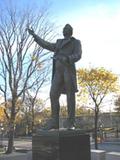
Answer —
64 42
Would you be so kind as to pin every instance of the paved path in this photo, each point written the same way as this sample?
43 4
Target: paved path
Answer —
111 145
25 144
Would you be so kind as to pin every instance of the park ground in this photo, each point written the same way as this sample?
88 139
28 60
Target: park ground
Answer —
24 144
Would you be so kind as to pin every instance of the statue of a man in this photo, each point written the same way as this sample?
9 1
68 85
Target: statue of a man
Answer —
67 51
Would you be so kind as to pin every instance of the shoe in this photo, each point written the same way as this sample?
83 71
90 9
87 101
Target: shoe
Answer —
71 127
51 124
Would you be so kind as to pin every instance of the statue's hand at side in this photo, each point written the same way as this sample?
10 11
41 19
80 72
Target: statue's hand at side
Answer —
63 59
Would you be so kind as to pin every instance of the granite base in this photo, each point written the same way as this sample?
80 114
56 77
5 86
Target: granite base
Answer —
61 145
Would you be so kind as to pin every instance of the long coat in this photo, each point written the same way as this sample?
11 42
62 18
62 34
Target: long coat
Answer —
70 48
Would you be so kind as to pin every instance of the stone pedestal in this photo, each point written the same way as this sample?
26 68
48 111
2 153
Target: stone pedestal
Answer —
113 156
98 154
61 145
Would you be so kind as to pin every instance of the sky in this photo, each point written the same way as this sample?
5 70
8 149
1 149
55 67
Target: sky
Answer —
95 22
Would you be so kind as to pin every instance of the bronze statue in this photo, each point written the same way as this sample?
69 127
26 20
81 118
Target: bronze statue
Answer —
67 51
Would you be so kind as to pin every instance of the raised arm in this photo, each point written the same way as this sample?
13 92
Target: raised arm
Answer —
44 44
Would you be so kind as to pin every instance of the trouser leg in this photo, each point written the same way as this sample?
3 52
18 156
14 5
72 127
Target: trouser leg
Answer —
53 123
71 107
70 98
54 97
55 106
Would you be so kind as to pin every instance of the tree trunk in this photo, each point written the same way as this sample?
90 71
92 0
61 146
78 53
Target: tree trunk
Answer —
10 138
32 126
96 128
11 128
33 118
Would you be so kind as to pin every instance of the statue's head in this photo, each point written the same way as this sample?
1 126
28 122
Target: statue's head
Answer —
67 31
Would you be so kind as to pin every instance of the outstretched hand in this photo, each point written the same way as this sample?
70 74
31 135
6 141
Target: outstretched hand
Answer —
30 31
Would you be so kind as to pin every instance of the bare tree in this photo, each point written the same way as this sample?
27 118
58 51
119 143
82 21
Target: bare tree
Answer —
22 62
31 108
32 99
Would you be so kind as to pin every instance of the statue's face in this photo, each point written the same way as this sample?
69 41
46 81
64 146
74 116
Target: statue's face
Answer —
67 32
